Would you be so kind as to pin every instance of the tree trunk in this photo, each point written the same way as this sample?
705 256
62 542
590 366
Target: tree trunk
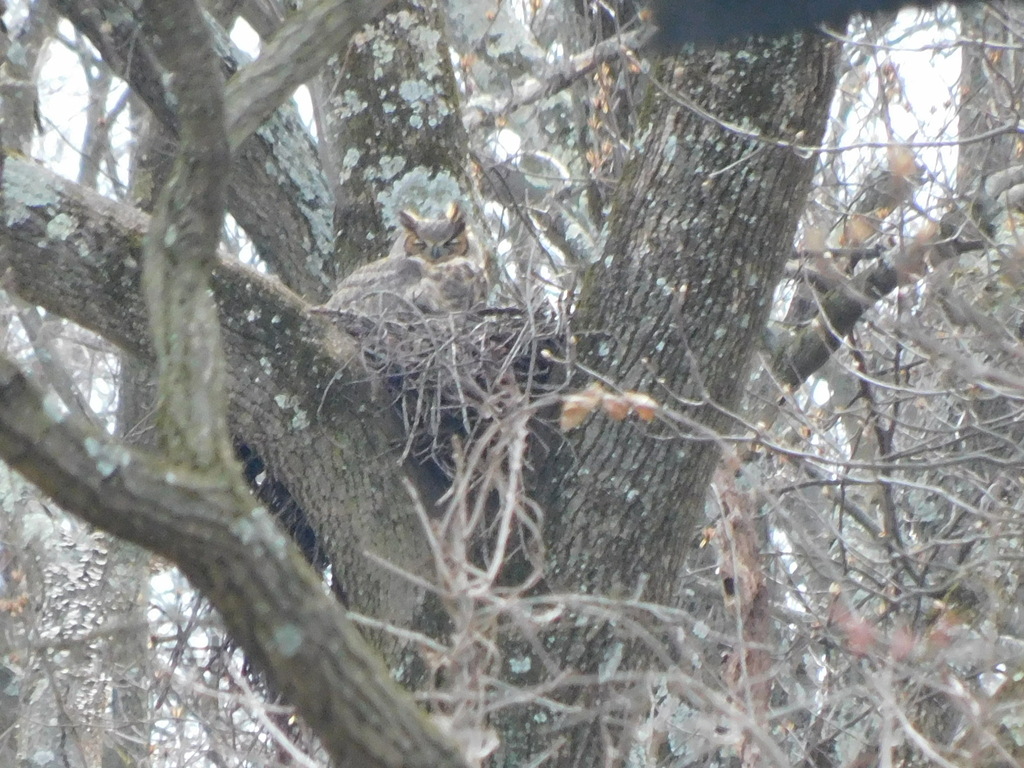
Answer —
698 234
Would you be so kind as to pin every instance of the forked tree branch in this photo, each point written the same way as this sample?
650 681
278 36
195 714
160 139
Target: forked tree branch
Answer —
193 506
846 302
299 392
275 189
529 90
230 549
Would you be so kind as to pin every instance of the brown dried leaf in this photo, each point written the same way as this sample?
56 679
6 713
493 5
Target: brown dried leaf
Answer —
576 407
616 406
645 406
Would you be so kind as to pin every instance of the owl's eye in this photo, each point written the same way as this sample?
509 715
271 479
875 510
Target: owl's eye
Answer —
414 245
456 245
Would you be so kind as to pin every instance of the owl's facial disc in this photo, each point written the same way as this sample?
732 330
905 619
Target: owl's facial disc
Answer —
414 246
458 245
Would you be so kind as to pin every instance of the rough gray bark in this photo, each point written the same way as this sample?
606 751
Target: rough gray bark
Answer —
231 550
194 495
392 130
700 230
131 706
85 590
342 487
180 249
296 384
293 56
705 259
646 521
19 116
991 72
671 309
274 192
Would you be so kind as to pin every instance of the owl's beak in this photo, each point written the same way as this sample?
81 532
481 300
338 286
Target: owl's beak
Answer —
436 251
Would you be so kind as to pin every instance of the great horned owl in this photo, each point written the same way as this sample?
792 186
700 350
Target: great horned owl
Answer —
434 267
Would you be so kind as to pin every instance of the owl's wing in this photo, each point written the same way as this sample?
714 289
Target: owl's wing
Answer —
377 287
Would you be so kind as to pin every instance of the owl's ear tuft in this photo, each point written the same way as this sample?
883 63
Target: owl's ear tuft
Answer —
455 213
408 219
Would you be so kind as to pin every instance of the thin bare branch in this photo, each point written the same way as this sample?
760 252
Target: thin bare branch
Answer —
530 90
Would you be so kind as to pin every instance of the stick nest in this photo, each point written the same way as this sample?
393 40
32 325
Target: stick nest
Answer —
450 376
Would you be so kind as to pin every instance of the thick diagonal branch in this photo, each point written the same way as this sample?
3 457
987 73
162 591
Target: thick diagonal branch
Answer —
230 549
299 394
